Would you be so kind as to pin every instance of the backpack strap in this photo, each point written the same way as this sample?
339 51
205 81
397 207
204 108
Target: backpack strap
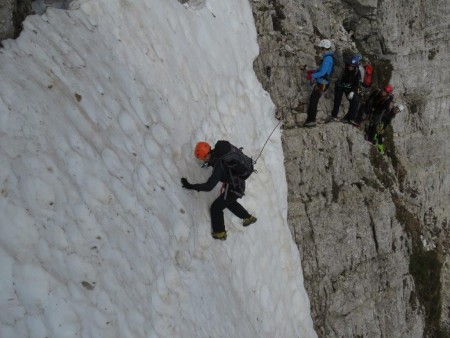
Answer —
235 182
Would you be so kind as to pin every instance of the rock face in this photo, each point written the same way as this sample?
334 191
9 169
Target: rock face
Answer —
6 19
12 13
372 230
353 248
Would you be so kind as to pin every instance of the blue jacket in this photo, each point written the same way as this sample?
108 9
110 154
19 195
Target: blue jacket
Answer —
322 74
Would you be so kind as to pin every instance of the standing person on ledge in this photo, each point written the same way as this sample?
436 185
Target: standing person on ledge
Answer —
349 85
322 79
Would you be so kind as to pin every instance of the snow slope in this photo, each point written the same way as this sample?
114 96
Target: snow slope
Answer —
100 109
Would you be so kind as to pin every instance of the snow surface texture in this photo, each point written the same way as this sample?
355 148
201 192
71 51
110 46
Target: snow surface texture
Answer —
101 107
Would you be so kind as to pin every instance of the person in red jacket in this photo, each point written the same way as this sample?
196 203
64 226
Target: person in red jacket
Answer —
378 102
376 130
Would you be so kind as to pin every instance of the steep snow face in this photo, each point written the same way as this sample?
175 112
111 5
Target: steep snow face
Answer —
101 107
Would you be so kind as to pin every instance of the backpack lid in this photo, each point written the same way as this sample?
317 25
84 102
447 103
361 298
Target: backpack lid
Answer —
221 148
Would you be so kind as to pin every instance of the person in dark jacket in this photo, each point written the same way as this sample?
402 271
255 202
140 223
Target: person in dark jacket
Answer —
387 118
349 84
378 104
227 198
377 129
322 78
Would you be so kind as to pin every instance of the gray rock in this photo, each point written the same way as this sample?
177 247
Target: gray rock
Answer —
12 13
354 251
368 227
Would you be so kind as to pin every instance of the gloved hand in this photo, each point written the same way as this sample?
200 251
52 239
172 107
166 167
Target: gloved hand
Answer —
350 95
185 183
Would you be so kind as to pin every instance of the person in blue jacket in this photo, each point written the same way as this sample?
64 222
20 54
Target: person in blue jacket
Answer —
322 78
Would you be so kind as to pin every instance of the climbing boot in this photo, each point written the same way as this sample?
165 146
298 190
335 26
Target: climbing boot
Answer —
309 124
222 235
249 220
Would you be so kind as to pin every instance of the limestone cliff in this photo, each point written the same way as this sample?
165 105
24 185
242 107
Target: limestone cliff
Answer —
372 230
12 13
353 247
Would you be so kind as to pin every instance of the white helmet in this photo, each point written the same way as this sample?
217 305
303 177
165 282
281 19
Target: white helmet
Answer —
324 44
400 107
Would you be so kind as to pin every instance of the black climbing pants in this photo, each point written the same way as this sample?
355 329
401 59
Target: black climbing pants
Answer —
231 204
314 101
362 113
354 103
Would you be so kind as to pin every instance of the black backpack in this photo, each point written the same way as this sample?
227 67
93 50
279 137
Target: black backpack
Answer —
238 168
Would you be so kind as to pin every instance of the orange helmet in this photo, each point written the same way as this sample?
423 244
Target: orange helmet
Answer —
388 88
201 150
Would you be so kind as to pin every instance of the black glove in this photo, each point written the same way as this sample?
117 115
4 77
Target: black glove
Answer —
185 183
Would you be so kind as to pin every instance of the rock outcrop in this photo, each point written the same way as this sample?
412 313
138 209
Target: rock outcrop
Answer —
354 250
12 14
372 230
